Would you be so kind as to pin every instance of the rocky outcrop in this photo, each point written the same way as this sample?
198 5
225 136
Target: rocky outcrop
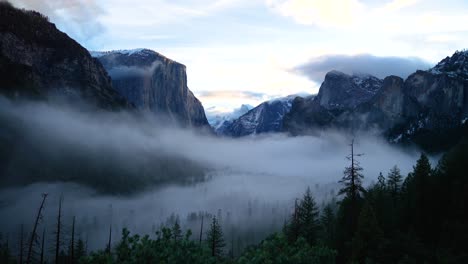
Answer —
37 60
153 82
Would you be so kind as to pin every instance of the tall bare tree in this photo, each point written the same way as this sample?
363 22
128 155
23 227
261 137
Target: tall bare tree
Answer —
36 223
72 242
201 228
42 247
59 226
21 245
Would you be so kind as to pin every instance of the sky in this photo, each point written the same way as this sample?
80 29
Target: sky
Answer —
248 51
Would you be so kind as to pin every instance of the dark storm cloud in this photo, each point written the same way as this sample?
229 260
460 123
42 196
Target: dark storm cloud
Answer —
317 68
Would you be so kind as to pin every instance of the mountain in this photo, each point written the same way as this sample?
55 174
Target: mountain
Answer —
39 61
217 120
427 105
153 82
266 117
341 91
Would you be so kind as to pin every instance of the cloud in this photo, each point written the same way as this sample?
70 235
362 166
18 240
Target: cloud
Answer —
122 72
318 12
233 94
399 4
79 18
317 68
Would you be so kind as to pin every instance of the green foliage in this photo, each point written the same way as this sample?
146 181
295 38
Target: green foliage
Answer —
304 222
214 238
277 249
368 238
166 248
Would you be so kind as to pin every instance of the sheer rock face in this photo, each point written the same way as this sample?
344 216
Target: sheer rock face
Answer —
342 91
427 102
155 83
37 60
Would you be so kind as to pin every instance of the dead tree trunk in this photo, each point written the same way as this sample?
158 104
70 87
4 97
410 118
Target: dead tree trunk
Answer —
21 245
36 222
42 247
201 229
72 244
59 225
110 240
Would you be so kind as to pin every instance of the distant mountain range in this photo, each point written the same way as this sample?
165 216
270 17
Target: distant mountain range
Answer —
265 118
218 119
429 108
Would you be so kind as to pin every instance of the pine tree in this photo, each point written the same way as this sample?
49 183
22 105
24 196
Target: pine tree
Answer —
368 237
381 181
394 181
292 228
176 231
308 218
422 195
327 221
352 178
353 190
215 239
80 250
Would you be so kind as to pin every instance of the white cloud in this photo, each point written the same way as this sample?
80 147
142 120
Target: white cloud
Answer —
399 4
316 12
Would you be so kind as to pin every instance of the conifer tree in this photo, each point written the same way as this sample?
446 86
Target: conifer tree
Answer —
381 181
308 218
353 190
327 221
394 181
352 178
176 231
80 250
422 195
215 239
368 237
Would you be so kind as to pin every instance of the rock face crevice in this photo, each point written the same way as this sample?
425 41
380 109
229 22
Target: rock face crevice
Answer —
37 60
155 83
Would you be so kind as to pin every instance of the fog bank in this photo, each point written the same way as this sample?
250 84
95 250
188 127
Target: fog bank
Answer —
251 183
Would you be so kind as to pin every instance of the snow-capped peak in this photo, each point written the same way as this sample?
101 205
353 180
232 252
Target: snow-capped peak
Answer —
455 65
128 52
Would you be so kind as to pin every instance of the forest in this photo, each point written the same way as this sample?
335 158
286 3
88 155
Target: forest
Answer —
416 218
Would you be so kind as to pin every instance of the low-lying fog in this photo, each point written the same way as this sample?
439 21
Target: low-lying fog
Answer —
251 183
